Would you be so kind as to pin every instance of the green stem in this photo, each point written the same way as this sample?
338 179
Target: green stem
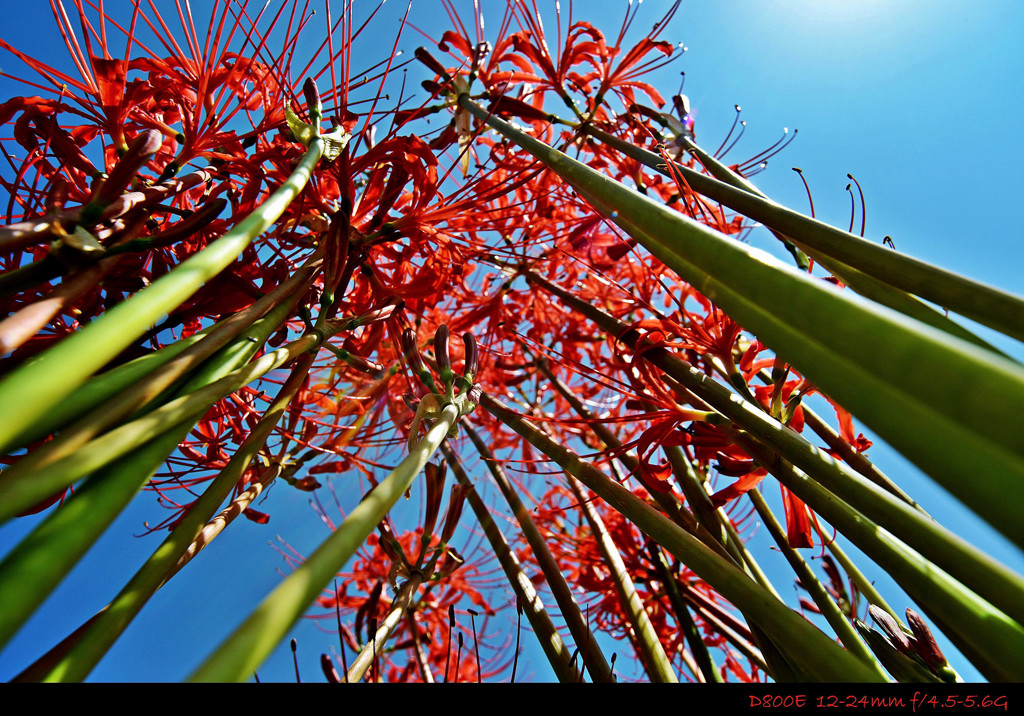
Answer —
35 567
701 656
268 624
40 561
818 656
863 584
917 387
727 175
22 486
989 637
853 458
526 594
652 653
399 608
725 623
596 664
713 519
118 393
706 532
868 268
977 570
826 605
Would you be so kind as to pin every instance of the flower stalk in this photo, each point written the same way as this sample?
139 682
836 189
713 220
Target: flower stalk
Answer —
547 635
179 547
787 630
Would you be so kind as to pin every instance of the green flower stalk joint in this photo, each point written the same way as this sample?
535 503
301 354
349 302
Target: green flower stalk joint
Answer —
305 133
431 405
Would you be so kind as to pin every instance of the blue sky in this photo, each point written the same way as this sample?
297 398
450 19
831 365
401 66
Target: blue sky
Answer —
918 99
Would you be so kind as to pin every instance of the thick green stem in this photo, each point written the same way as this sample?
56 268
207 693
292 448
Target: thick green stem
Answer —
526 594
919 388
398 610
652 653
23 486
165 562
40 561
46 555
707 671
826 605
977 570
869 268
594 659
989 637
124 389
818 656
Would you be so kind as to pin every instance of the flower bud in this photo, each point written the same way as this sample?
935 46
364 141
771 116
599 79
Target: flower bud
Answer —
312 94
57 194
444 361
924 642
328 668
412 355
139 152
410 351
434 475
455 503
891 628
424 56
472 357
504 106
434 88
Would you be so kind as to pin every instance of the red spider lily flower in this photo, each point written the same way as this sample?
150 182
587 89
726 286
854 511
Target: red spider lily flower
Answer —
428 629
622 78
547 71
747 481
583 45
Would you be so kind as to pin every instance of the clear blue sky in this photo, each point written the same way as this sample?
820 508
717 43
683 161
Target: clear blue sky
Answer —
918 99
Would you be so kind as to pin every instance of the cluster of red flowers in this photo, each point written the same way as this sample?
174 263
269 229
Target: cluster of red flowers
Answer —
162 140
